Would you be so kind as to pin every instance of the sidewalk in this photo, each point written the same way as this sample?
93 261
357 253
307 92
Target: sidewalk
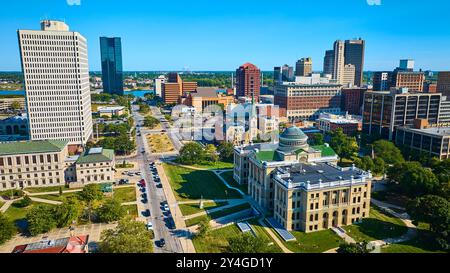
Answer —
186 242
273 236
231 203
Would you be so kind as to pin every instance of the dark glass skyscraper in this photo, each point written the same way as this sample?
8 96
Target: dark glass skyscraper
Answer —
112 70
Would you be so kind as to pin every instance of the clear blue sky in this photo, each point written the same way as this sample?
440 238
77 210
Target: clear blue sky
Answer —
223 34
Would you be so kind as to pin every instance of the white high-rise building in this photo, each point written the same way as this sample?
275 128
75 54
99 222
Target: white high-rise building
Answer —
349 75
56 77
157 83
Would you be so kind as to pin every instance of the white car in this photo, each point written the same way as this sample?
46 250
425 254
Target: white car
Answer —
166 207
149 226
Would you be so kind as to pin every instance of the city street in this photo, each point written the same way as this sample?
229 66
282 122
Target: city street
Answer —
156 195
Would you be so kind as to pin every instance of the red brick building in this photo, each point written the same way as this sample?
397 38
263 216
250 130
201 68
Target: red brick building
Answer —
248 81
352 100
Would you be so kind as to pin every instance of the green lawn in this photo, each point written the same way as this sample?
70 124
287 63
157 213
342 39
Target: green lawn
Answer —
189 184
1 203
228 176
260 231
314 242
189 209
125 195
132 210
217 241
46 189
423 243
57 197
378 226
18 214
217 214
214 165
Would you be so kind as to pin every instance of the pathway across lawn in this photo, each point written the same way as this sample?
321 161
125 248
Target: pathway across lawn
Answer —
378 226
190 184
217 240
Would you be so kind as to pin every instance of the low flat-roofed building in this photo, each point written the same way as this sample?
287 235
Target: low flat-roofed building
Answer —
205 97
48 163
32 164
318 196
75 244
330 123
94 165
434 141
110 111
14 128
8 103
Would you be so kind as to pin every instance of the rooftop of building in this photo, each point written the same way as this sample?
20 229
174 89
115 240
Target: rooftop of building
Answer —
338 119
32 147
15 119
110 108
76 244
273 155
96 155
315 174
436 131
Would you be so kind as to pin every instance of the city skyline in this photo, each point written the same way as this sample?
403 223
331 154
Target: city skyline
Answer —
217 42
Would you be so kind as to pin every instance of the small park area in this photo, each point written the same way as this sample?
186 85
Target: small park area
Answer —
189 184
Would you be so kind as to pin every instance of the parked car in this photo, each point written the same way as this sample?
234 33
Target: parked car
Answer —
146 213
149 226
162 243
159 186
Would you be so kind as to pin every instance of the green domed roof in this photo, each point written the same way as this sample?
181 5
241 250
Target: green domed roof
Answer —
294 133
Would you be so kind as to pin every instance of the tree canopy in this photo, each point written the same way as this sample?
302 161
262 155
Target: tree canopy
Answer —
247 243
40 219
387 151
343 145
191 153
7 229
111 211
128 237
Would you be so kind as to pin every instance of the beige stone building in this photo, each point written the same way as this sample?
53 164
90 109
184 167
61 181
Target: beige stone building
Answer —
32 164
285 178
46 163
314 197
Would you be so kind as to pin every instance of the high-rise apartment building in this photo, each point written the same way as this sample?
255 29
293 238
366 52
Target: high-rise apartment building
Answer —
354 55
303 67
328 62
443 83
56 79
112 69
385 111
248 81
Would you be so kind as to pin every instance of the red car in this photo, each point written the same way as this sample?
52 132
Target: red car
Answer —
142 182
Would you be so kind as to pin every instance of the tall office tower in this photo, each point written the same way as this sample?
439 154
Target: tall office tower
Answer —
277 74
112 70
406 65
339 61
328 62
287 73
348 78
303 67
172 88
443 83
385 111
354 54
56 77
248 81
